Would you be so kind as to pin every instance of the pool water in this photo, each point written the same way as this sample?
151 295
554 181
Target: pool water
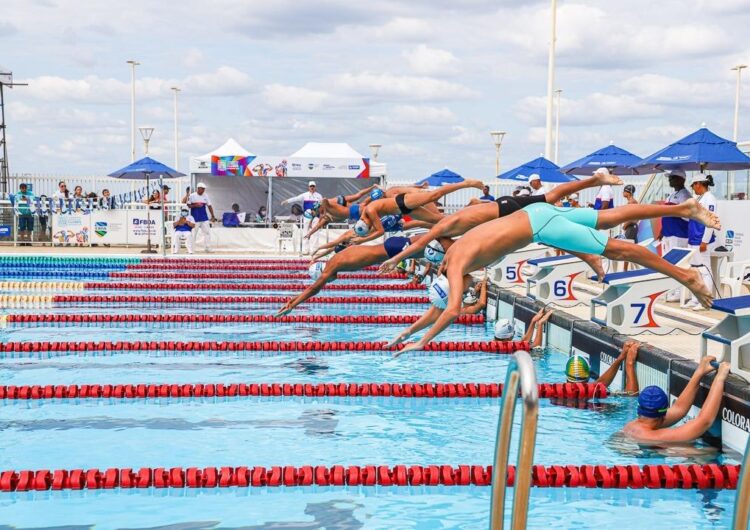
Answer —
248 431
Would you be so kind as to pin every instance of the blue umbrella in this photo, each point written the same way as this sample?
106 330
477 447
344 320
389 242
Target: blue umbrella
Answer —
617 160
145 168
698 151
445 176
547 171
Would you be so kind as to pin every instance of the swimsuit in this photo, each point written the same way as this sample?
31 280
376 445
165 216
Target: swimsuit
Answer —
394 245
354 213
401 204
507 205
391 223
571 229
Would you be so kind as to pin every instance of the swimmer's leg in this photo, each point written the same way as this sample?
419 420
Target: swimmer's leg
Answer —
563 190
690 209
415 200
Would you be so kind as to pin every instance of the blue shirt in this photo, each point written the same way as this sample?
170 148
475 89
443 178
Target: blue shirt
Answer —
487 197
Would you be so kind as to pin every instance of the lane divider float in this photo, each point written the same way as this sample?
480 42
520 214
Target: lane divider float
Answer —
243 276
133 286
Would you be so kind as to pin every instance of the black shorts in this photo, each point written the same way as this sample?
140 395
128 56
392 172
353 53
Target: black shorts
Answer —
507 205
340 199
401 205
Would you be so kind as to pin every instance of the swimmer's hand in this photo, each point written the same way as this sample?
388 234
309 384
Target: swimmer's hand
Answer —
723 371
398 339
387 266
356 240
411 346
707 365
284 311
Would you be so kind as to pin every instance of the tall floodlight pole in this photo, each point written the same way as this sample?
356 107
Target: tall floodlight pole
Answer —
739 69
176 91
557 126
550 82
6 80
132 64
374 150
497 139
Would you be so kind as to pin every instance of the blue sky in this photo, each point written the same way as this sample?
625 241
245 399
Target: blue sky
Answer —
427 79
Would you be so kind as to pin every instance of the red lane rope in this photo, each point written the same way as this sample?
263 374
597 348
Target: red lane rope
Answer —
255 266
317 346
661 476
397 390
241 286
242 276
189 319
187 299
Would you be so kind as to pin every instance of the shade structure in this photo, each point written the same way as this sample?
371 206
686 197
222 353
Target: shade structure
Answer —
616 159
548 171
697 151
145 169
445 176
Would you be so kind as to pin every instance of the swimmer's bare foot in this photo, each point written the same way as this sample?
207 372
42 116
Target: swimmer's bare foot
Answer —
595 262
608 179
424 185
698 213
698 288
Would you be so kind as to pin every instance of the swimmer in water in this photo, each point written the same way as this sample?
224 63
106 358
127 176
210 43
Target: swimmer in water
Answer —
655 416
571 229
577 369
505 331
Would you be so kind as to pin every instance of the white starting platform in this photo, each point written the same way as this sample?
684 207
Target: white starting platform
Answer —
553 281
629 297
508 270
733 333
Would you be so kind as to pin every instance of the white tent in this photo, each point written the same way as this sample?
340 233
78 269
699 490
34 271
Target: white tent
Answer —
326 150
200 164
335 160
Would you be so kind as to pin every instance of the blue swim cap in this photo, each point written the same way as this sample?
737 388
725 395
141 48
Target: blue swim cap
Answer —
652 402
391 223
376 194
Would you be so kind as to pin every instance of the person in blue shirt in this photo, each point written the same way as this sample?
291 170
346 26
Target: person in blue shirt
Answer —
486 195
702 239
674 230
24 199
183 227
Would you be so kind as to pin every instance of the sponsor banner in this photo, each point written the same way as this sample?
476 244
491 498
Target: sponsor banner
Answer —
139 226
735 233
71 229
333 167
5 231
231 165
268 166
112 227
109 227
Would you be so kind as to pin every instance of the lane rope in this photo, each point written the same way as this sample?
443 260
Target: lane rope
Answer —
244 276
133 286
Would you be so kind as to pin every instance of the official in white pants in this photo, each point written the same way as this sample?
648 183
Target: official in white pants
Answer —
310 201
702 238
205 228
200 207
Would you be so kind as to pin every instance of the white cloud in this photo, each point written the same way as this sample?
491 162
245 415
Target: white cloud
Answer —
291 98
664 90
594 109
193 57
465 136
431 61
413 120
404 29
386 85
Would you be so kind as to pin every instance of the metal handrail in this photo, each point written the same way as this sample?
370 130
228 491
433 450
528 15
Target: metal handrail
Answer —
742 500
521 373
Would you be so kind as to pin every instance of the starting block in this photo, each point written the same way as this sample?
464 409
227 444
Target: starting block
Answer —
733 333
630 297
553 281
509 271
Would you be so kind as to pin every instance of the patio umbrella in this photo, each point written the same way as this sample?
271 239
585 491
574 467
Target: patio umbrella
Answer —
698 151
616 159
445 176
145 168
547 171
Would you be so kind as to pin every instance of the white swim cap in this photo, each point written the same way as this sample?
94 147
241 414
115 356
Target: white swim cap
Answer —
470 297
434 252
361 228
309 214
438 292
504 329
316 269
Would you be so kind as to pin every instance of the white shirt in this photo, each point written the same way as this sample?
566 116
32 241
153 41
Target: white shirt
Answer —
306 197
196 199
709 202
541 191
678 197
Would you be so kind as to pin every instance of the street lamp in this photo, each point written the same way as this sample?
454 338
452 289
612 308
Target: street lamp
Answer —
497 138
374 149
176 91
550 82
146 133
557 125
739 69
132 64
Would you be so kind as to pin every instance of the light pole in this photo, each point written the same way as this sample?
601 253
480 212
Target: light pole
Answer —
550 82
739 69
146 133
176 91
132 64
374 150
497 138
557 125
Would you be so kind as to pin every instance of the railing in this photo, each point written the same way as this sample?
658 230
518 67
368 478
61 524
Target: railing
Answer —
521 373
742 500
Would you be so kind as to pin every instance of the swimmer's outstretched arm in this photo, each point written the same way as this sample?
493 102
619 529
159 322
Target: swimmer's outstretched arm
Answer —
682 406
343 238
425 320
539 325
361 193
563 190
322 223
438 230
629 354
327 276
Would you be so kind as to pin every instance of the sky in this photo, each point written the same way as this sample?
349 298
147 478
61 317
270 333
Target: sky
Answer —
427 79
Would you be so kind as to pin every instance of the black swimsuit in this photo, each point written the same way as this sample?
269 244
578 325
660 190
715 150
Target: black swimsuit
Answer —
401 204
507 205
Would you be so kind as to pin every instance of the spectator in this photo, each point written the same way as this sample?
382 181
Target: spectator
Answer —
61 196
535 182
573 200
78 193
234 218
260 217
154 200
200 205
23 201
605 198
674 230
630 228
44 206
107 202
702 239
183 227
486 195
241 216
164 192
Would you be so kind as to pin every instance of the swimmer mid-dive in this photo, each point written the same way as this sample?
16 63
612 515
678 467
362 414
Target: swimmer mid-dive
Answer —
352 258
472 216
570 229
344 207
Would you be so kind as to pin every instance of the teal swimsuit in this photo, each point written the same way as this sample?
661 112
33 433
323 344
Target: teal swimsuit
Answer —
571 229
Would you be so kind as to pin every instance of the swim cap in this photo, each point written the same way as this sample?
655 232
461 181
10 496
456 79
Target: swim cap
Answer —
652 402
504 329
361 228
577 369
376 194
470 297
316 269
434 252
309 213
438 292
184 212
629 188
391 223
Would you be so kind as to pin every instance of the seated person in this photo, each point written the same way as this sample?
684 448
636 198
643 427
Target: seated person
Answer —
234 218
154 200
655 416
261 216
183 227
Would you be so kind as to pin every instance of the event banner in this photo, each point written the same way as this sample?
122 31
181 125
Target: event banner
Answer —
269 166
231 165
334 167
734 237
106 227
71 229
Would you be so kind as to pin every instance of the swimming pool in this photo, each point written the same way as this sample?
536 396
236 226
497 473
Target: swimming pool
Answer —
84 433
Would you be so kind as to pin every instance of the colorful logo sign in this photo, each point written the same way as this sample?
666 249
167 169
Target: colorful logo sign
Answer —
100 227
231 165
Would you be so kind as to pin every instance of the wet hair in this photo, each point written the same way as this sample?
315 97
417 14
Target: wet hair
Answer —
235 206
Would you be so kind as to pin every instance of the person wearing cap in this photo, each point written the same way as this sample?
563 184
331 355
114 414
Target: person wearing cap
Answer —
605 198
572 200
674 230
535 183
655 416
577 369
183 227
505 331
200 206
343 208
630 228
311 200
701 238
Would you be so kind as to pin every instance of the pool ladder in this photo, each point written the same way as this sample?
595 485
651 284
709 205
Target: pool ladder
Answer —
742 500
521 374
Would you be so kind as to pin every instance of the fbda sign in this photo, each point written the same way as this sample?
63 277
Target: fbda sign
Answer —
105 227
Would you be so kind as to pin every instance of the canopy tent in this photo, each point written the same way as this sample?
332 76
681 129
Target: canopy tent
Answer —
445 176
697 151
216 161
548 171
322 160
616 159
